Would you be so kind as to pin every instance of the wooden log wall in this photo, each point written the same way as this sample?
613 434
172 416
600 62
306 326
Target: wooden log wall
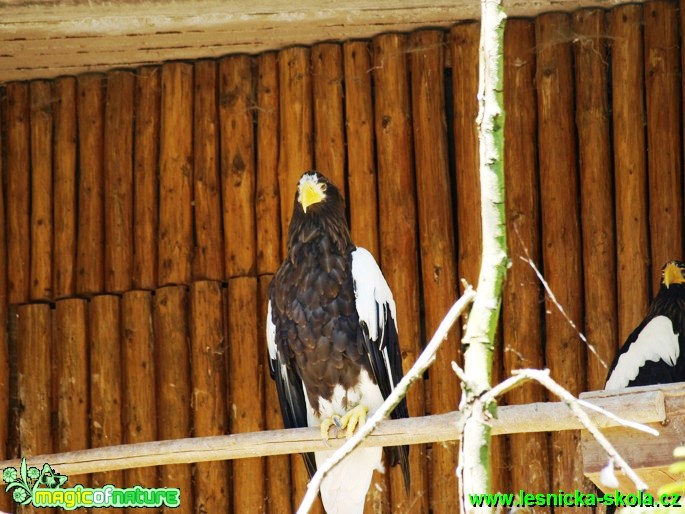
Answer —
144 212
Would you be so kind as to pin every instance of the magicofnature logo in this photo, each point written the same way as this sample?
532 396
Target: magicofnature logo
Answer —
43 488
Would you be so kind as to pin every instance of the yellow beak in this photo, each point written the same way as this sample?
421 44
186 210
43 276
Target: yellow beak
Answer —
310 194
672 275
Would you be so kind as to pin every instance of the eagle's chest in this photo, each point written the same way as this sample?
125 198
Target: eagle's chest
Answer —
317 325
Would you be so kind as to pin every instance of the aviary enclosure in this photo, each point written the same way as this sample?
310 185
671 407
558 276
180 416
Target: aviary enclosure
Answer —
144 211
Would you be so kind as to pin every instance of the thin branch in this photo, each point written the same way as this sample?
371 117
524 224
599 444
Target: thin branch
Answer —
422 363
543 377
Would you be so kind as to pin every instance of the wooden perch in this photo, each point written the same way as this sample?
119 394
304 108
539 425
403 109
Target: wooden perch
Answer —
644 405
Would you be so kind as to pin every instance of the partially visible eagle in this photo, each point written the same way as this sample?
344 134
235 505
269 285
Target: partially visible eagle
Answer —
332 339
655 351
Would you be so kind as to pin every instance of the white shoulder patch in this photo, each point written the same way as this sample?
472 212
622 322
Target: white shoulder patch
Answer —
371 292
657 342
270 333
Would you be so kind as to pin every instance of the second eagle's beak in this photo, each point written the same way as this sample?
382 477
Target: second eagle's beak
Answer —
672 274
310 193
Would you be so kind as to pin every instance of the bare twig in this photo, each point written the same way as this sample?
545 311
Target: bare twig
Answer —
422 363
543 377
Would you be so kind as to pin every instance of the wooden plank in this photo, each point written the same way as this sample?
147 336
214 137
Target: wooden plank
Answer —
236 106
296 155
50 38
89 246
139 407
175 236
145 169
361 158
296 151
596 191
105 381
662 98
398 235
643 405
436 237
172 366
329 129
245 390
72 379
561 243
208 375
64 188
277 468
118 180
18 191
208 254
41 190
34 376
267 206
652 457
523 346
630 179
363 190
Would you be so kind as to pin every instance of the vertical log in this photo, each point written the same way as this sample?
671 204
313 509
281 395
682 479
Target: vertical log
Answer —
662 77
522 328
236 97
398 235
5 501
295 157
208 255
246 390
145 166
18 192
296 153
594 147
438 257
630 179
277 487
118 181
64 188
71 378
172 366
175 243
561 242
362 188
89 249
34 376
267 206
41 190
208 358
139 408
105 381
329 130
361 169
464 41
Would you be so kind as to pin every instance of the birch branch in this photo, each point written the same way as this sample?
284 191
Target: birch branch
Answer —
422 363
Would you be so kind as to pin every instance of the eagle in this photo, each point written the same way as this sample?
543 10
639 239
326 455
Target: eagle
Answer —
654 352
332 340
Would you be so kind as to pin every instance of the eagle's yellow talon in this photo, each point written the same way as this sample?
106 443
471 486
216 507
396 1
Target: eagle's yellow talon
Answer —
355 417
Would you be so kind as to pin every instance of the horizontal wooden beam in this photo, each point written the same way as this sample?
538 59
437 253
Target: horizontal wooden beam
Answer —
643 406
48 38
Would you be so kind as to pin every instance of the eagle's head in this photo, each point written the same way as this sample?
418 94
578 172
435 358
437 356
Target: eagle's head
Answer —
673 273
314 191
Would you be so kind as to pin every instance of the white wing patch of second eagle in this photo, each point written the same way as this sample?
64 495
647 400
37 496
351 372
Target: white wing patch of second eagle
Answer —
373 299
657 341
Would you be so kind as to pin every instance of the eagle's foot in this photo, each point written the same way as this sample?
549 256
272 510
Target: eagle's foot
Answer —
327 423
353 418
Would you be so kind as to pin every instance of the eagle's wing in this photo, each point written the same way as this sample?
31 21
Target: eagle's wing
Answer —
377 317
648 356
289 387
